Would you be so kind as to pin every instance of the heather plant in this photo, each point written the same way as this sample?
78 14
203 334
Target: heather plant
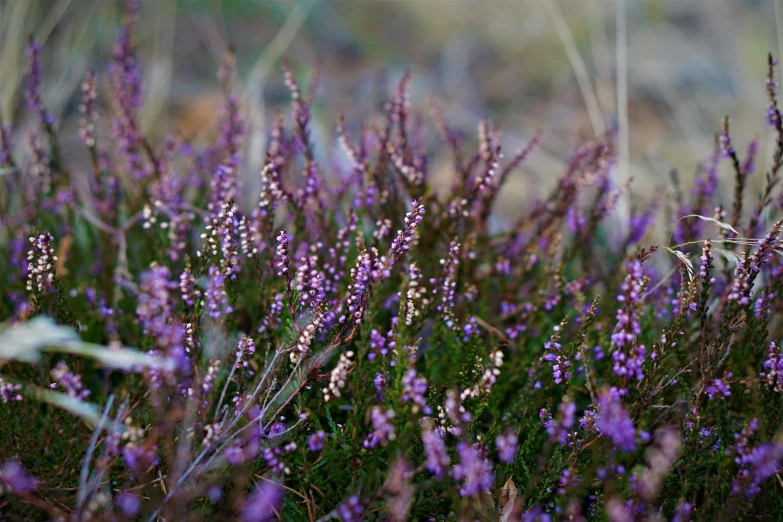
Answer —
357 345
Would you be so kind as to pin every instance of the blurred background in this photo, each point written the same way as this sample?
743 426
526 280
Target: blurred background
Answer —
671 69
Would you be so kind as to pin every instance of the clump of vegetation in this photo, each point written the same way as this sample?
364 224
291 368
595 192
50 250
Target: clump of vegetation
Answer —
356 347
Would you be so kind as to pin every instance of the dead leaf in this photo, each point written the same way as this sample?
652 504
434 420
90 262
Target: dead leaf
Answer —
509 507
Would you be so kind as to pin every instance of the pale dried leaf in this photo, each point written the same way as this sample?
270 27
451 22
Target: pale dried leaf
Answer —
508 499
684 258
23 341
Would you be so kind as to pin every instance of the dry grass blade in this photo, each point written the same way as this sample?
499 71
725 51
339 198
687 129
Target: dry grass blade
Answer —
721 224
578 65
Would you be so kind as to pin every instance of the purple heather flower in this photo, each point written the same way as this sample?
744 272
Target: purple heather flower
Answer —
435 450
683 512
506 444
719 387
748 165
124 69
576 221
282 254
272 459
14 479
361 276
560 430
726 148
413 390
762 308
187 287
706 266
246 347
404 237
628 356
756 466
10 392
216 298
380 384
309 282
448 285
618 511
125 81
773 368
276 429
234 455
613 421
536 514
398 486
263 503
33 91
561 364
377 345
137 457
215 494
71 382
89 113
128 503
41 257
155 308
750 266
383 428
351 510
316 441
469 329
473 470
640 224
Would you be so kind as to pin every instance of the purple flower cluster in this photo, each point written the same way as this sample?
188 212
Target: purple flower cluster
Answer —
613 421
405 237
282 254
413 390
628 356
559 431
773 368
351 510
361 276
187 287
448 285
382 427
377 345
506 444
14 479
216 302
474 471
435 449
10 392
41 257
71 383
719 387
316 441
561 363
756 466
33 91
263 504
155 308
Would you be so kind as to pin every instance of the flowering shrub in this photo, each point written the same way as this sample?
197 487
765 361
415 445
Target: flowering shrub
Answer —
358 347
